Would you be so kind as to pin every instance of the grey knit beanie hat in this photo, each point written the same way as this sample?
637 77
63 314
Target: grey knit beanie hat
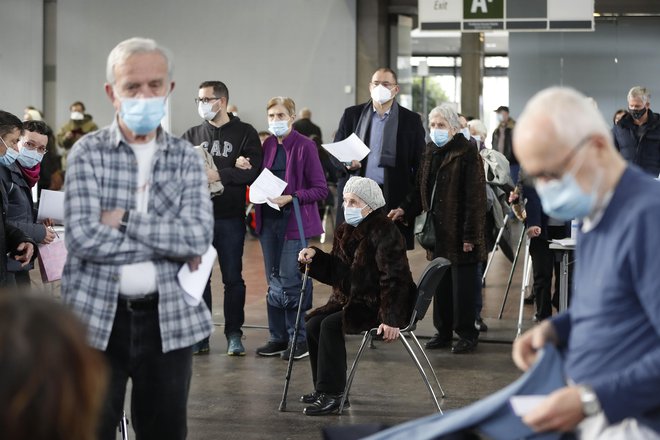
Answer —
366 189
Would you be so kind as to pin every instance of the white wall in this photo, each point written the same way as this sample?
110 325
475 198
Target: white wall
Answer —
21 54
603 64
304 49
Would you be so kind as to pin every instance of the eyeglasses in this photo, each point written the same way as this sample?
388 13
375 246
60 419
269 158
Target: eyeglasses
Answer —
557 175
385 84
205 100
32 146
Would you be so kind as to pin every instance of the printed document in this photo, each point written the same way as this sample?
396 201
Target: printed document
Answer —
51 205
194 283
267 186
351 148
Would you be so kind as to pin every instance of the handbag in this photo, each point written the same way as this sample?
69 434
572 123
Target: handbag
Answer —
52 257
425 225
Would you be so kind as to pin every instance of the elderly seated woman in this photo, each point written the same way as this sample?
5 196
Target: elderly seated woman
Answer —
371 287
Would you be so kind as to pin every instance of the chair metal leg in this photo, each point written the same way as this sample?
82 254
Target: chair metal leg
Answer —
349 381
421 350
421 371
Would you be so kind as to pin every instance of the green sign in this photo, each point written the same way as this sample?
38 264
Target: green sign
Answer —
483 9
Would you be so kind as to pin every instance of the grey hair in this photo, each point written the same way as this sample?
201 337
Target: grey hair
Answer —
639 92
479 127
570 116
447 112
132 46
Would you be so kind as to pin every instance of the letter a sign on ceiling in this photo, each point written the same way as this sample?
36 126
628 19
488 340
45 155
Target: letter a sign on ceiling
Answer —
483 9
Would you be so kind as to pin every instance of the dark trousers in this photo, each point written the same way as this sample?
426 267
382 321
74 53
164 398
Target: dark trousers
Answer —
454 303
228 240
542 264
160 381
327 352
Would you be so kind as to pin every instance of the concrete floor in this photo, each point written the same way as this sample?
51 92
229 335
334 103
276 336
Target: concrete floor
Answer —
238 397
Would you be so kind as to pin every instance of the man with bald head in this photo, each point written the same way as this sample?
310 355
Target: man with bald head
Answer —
610 336
305 126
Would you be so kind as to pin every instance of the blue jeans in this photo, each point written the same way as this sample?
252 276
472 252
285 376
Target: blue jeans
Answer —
228 240
161 381
284 281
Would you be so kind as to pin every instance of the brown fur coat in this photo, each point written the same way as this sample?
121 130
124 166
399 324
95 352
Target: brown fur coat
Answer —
369 274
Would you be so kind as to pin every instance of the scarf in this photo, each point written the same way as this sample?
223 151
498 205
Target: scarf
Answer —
388 151
31 174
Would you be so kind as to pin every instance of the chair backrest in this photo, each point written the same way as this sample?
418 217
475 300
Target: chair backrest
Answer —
427 285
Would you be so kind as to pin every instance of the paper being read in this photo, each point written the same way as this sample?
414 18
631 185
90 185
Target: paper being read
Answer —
194 283
267 186
51 205
522 405
351 148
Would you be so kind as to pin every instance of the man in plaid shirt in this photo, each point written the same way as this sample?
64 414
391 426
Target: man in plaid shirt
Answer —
137 208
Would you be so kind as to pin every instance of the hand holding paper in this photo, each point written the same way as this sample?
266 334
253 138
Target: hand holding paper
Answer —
194 282
350 149
51 206
267 186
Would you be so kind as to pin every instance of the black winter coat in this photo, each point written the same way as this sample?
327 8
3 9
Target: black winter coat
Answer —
399 180
369 274
10 238
645 151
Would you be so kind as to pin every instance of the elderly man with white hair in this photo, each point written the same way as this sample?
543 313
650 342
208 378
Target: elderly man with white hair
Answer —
637 134
610 336
137 208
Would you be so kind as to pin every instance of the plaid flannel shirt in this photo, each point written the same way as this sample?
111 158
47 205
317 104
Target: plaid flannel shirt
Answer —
102 175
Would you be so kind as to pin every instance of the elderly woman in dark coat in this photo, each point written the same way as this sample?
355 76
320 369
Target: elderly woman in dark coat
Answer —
371 287
454 167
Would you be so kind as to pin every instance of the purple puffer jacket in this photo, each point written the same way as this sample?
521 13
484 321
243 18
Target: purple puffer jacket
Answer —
304 177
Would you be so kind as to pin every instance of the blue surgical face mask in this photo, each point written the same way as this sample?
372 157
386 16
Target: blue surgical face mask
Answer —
353 216
466 132
564 199
9 156
29 158
142 115
439 136
278 128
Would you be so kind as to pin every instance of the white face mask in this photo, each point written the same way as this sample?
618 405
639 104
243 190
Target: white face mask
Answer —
466 133
77 116
477 137
205 111
381 94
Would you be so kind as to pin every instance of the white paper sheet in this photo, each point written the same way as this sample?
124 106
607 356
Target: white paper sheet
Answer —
566 242
267 186
522 405
351 148
51 205
194 283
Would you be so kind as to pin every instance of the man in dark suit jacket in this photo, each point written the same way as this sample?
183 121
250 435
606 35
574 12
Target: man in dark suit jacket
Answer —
394 135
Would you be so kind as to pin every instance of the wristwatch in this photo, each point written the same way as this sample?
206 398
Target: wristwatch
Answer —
590 403
123 223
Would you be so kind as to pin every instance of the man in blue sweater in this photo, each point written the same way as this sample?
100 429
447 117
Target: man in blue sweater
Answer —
610 336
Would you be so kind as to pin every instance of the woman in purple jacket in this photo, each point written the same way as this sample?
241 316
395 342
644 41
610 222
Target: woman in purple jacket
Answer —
293 158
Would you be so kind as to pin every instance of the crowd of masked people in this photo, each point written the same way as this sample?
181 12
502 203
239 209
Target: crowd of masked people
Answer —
140 203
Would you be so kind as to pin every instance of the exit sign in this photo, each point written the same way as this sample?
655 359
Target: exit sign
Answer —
509 15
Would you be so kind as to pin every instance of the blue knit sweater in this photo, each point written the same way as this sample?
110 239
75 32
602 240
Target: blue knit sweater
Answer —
611 333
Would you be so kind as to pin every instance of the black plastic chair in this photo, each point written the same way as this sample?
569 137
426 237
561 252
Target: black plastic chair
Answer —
426 286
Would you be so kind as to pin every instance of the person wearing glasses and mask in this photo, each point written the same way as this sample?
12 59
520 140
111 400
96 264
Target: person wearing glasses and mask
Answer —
372 287
291 157
637 134
137 209
610 335
237 154
451 182
19 172
396 138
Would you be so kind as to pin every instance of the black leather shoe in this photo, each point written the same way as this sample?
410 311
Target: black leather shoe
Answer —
324 405
310 398
464 346
438 341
